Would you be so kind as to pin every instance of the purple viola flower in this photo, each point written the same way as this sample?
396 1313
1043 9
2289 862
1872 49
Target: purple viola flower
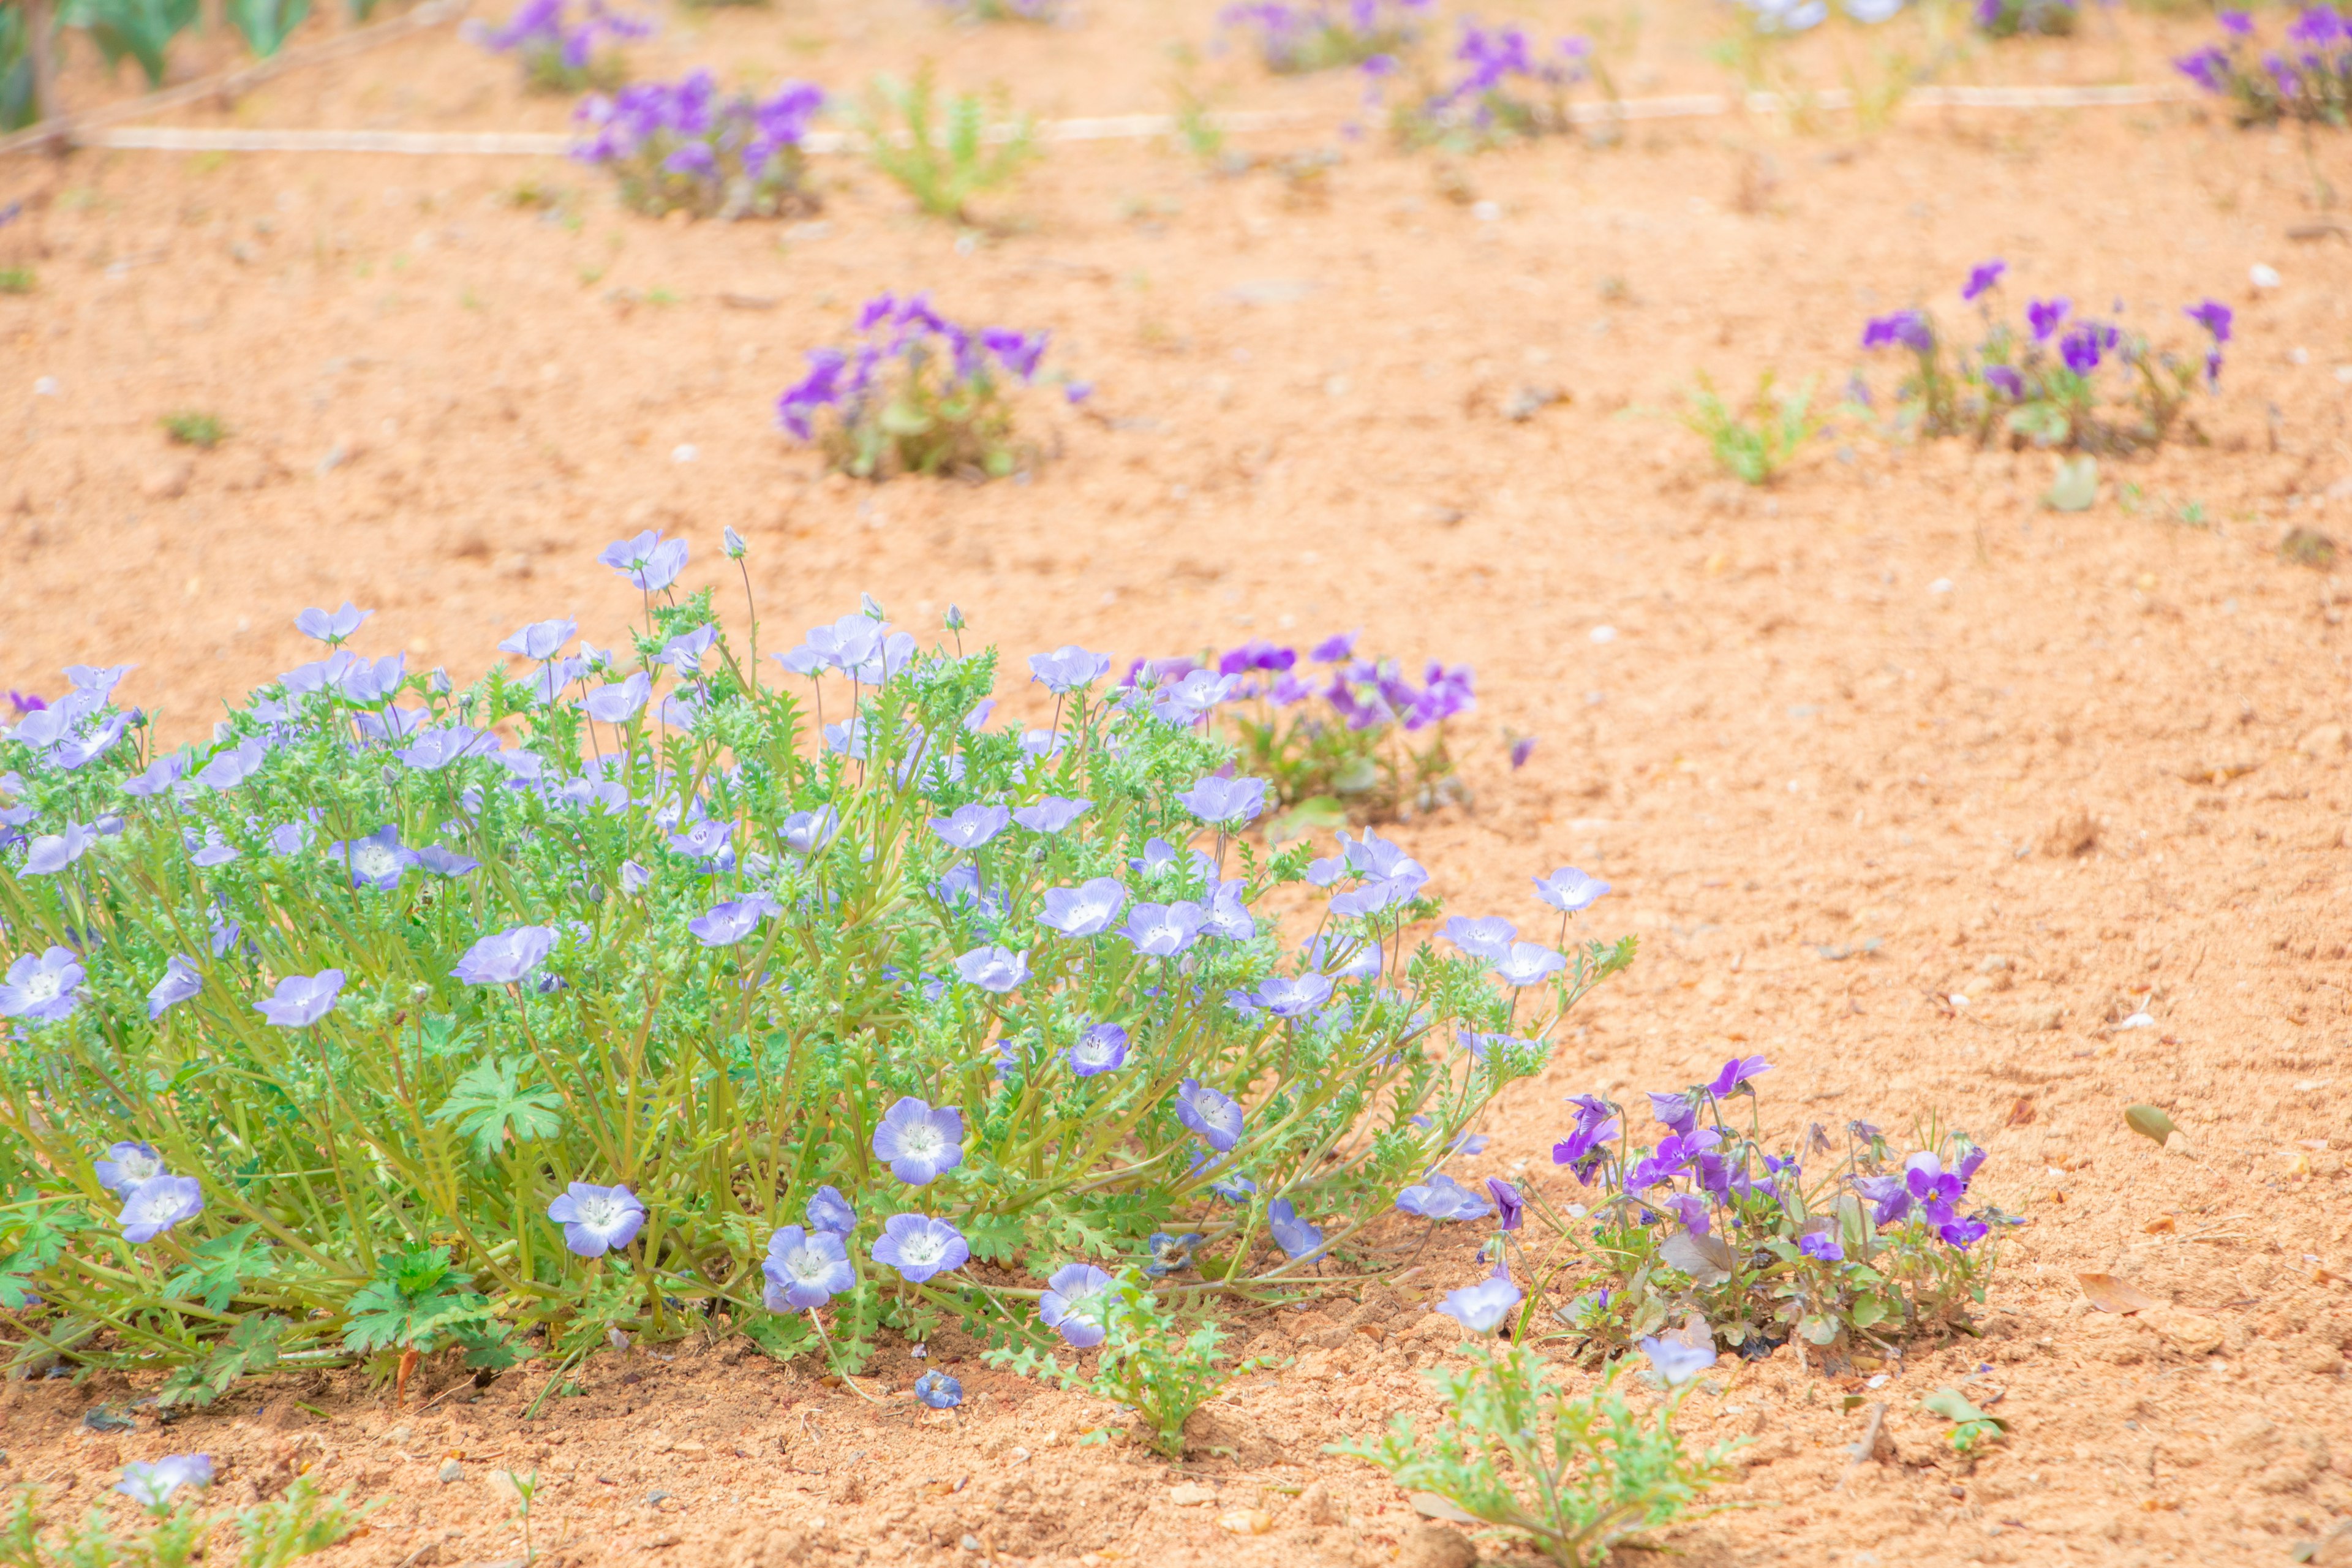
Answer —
2044 316
919 1247
1735 1076
2005 379
2213 316
2080 349
993 968
1336 649
1963 1231
1064 1308
1903 329
597 1220
1051 814
1507 1202
180 983
506 957
1214 1117
620 701
1489 938
158 1205
1099 1050
377 861
541 641
302 1000
1522 749
323 627
1224 801
1891 1197
731 923
919 1145
1285 996
805 1269
1691 1210
126 1166
2240 23
42 988
53 852
1163 930
650 562
1528 963
1569 890
1481 1307
1820 1243
1672 1158
1676 1361
1982 278
827 1210
1291 1232
151 1483
968 827
1441 1197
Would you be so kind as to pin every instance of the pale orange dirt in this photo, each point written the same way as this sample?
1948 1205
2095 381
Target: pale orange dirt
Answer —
1909 785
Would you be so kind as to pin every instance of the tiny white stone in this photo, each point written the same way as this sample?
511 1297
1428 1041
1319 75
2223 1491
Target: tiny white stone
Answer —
45 388
684 453
2263 276
1604 634
2138 1021
1959 1001
1487 212
1940 585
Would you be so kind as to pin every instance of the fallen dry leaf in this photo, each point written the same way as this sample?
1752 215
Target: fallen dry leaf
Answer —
1247 1521
2109 1294
1429 1505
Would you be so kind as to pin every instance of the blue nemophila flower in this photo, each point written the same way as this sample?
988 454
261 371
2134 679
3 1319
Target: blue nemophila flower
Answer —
917 1142
150 1483
919 1247
332 628
430 750
1227 916
1489 939
808 832
1161 931
1372 897
648 561
180 982
703 839
937 1390
1569 890
302 1000
993 968
1215 1116
53 852
731 923
620 701
970 827
1285 996
446 862
1069 1306
1291 1233
1224 800
1441 1197
1085 910
506 957
1528 963
215 850
42 988
1344 957
1736 1074
1507 1202
126 1166
1051 814
233 765
1676 1360
1481 1307
1099 1050
290 837
828 1210
1169 1253
377 861
596 1220
158 1203
157 776
541 641
805 1269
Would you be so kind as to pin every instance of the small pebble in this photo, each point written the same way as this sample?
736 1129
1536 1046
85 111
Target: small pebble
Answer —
451 1471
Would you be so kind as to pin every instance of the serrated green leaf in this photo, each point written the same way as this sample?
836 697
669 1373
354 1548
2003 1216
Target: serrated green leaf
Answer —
490 1104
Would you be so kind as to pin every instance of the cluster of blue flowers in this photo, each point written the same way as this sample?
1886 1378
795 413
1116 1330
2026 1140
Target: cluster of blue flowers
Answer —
684 146
940 992
2309 80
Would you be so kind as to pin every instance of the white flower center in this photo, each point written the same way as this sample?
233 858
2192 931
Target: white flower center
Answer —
374 861
920 1141
923 1247
806 1266
597 1214
137 1168
42 987
1093 1053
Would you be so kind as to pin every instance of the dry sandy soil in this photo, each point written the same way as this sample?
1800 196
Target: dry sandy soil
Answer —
1907 783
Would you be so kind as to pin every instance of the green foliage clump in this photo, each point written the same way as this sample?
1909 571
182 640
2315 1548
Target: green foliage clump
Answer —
943 160
1755 443
194 427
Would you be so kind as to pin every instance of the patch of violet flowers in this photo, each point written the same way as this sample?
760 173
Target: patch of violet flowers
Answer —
684 146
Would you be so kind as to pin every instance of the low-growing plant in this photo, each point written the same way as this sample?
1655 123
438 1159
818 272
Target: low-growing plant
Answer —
141 30
1145 1360
2066 381
942 156
1575 1474
1708 1221
18 280
2010 18
176 1534
2310 79
558 55
1031 11
1365 743
17 108
1321 35
633 993
1502 89
1753 443
682 147
194 427
920 396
